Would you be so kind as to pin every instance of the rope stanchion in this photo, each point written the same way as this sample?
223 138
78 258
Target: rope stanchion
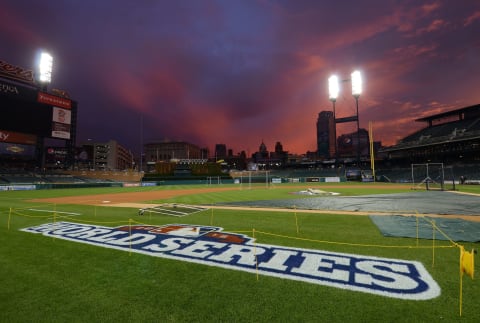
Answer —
9 216
296 219
433 244
416 218
211 216
130 235
461 284
255 253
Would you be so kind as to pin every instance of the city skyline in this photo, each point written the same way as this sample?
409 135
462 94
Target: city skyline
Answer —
243 72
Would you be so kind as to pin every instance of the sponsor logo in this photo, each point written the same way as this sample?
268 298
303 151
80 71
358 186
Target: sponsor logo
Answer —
15 149
17 187
17 137
54 100
15 72
211 246
4 136
6 88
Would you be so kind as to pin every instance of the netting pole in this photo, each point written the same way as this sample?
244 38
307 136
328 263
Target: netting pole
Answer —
413 178
443 178
427 179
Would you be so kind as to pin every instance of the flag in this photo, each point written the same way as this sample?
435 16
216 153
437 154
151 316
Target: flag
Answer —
466 262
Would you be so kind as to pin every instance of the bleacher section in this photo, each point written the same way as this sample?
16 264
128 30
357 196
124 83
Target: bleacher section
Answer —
450 138
462 129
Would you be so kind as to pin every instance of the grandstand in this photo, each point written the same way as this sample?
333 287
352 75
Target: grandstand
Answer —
451 137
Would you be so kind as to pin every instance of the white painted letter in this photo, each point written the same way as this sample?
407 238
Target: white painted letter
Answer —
278 259
394 276
319 265
170 244
245 254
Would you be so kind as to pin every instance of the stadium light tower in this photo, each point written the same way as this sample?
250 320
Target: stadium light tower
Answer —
356 78
333 90
45 66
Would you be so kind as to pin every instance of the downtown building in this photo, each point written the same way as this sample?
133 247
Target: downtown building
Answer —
345 147
326 135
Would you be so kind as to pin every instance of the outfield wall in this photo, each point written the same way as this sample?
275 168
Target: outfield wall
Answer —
118 176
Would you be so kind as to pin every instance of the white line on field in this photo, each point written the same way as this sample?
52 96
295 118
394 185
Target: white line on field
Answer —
72 213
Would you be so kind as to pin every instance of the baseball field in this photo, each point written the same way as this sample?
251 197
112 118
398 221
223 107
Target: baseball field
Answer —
228 253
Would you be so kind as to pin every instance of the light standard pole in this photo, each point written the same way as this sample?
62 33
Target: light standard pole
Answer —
45 67
333 90
356 78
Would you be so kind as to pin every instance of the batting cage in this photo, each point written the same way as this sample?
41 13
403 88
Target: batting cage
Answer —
432 176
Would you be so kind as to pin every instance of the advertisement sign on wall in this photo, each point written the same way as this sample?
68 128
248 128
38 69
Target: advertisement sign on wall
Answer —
61 120
17 137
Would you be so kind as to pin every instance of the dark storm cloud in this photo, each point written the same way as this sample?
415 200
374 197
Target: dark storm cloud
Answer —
239 72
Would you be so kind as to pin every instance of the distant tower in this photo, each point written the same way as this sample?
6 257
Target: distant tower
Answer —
278 148
325 135
262 150
220 151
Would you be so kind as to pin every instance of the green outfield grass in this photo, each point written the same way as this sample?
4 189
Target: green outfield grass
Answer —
53 280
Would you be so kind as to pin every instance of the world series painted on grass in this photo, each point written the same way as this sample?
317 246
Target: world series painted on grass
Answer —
209 245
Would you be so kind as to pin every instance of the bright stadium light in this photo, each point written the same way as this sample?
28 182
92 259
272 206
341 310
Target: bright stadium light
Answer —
356 78
356 84
45 66
334 90
333 87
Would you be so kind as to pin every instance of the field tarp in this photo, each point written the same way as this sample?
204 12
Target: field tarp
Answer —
406 226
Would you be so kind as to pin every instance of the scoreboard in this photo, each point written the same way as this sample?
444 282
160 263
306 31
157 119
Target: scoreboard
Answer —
37 113
29 114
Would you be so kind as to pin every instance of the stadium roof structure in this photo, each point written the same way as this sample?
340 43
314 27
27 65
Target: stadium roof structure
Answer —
473 110
446 133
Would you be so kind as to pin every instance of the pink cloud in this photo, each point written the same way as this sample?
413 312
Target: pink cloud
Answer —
472 18
14 26
431 7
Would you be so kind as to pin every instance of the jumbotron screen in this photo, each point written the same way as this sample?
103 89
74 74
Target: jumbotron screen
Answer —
26 117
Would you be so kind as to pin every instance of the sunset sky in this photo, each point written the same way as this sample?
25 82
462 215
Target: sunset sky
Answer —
241 71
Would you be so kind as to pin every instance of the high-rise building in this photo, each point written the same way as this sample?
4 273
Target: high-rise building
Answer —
220 151
108 155
326 135
348 144
170 150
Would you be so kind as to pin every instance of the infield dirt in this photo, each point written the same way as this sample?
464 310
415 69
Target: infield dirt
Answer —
151 198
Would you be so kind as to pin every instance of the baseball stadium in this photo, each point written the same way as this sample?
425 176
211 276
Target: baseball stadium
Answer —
291 245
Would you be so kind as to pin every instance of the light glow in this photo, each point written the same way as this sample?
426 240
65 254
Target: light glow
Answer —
45 67
356 84
333 87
